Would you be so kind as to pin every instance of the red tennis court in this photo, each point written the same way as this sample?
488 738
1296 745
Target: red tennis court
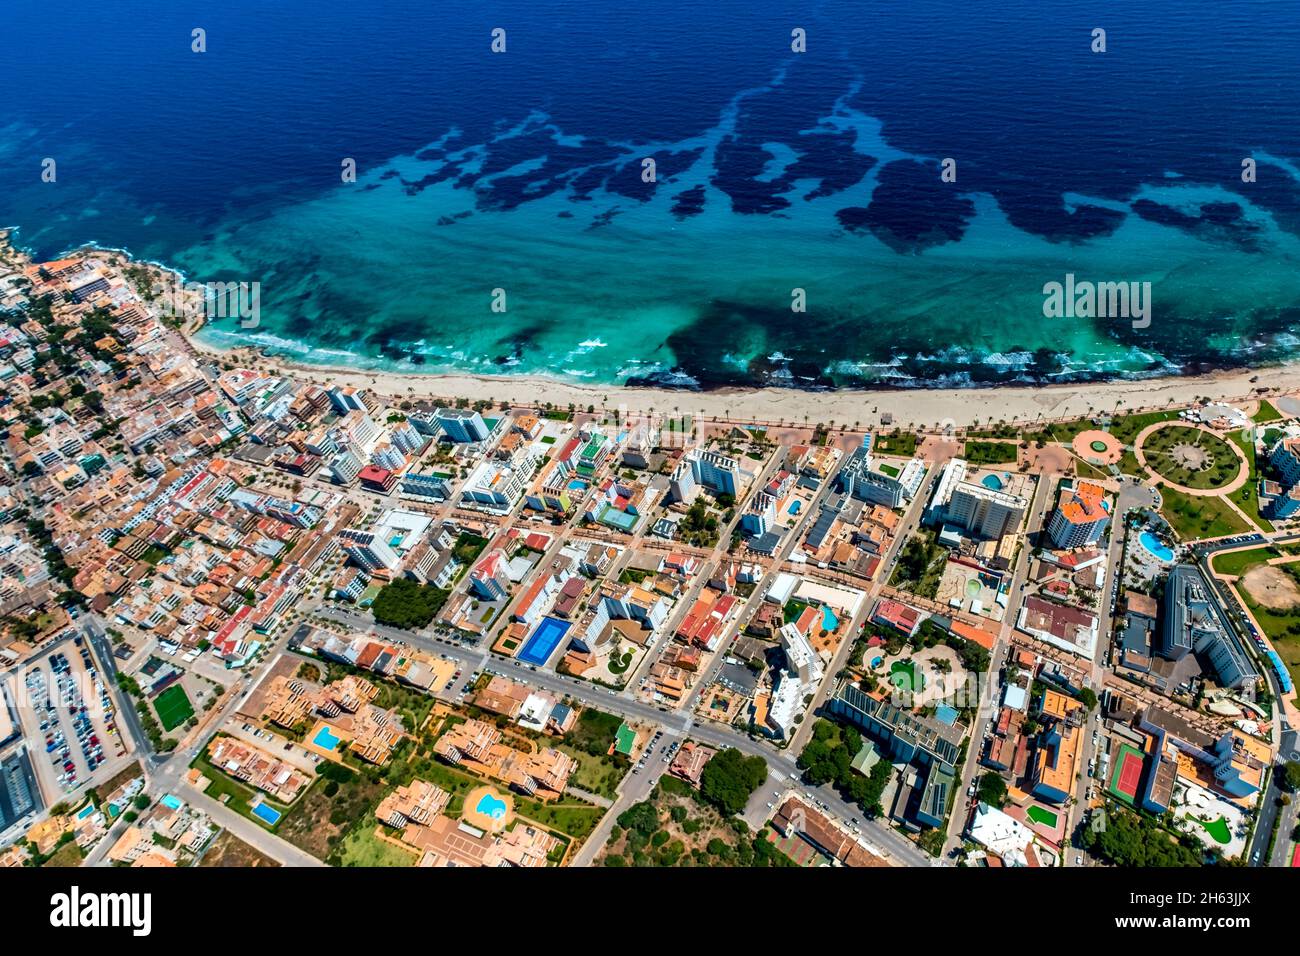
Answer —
1127 775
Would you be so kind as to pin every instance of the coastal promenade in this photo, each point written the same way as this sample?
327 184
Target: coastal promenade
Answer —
937 409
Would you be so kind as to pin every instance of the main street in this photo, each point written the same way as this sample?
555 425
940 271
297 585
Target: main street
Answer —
93 628
987 709
164 773
911 520
741 621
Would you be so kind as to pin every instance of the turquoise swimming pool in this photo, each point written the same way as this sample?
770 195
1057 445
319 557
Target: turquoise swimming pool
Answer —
326 739
1154 546
267 815
491 806
829 621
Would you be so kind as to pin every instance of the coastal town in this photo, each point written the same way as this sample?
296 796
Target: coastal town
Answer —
257 614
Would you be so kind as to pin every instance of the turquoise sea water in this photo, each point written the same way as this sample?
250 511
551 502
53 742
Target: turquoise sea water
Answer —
776 172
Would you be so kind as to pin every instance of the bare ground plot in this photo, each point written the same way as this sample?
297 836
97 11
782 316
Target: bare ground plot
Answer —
1272 587
229 850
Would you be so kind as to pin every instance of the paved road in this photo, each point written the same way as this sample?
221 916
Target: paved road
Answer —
708 562
911 520
1271 811
792 536
634 788
282 852
164 773
987 708
94 631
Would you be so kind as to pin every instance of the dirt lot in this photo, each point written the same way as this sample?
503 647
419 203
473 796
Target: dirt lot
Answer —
1272 587
228 850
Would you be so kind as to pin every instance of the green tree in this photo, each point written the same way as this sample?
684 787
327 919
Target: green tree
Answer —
641 817
404 603
993 789
730 778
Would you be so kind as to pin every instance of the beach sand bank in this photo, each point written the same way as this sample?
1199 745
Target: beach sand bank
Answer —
909 408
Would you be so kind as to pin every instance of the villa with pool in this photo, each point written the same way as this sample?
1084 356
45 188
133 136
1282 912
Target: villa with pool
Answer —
340 716
541 774
486 833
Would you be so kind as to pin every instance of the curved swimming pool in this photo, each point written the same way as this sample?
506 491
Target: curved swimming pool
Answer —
1155 547
491 806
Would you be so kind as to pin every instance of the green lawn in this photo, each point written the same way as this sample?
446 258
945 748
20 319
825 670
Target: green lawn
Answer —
575 819
1062 432
238 797
1266 413
1199 516
455 783
1085 470
903 675
598 775
1162 449
1127 427
1041 815
362 848
1128 464
1247 496
991 452
895 443
173 707
792 610
1239 562
567 816
1217 829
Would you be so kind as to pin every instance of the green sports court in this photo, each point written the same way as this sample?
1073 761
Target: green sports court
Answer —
173 706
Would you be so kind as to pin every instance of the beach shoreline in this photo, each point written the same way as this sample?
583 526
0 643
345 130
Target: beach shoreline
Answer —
907 408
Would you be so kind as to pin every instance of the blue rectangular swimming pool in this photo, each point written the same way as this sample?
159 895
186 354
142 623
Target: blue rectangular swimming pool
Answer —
267 815
544 641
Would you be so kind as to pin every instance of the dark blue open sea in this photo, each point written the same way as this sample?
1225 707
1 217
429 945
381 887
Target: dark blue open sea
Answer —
776 171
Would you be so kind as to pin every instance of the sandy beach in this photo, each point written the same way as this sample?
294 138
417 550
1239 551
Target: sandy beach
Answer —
930 408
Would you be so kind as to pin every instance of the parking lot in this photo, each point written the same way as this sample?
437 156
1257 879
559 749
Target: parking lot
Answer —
69 720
